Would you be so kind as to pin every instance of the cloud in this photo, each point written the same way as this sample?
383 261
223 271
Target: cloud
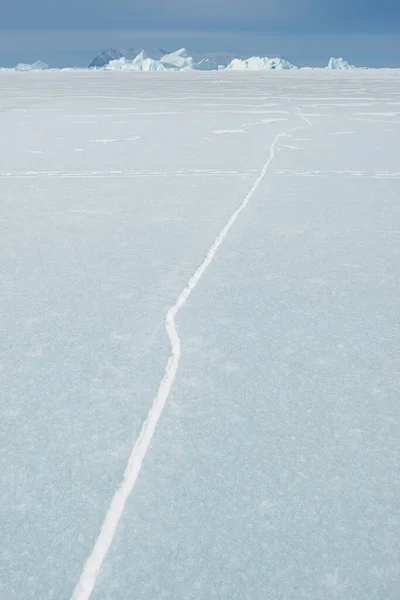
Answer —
268 16
158 13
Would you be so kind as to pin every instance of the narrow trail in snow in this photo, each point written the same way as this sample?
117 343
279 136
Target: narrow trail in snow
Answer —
94 563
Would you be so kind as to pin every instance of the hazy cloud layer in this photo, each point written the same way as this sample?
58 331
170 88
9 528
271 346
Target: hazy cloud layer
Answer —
282 16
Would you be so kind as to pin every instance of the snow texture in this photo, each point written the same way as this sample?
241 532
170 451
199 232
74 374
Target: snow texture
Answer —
199 366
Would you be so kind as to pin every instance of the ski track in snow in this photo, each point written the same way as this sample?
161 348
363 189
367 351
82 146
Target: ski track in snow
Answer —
123 173
227 131
115 511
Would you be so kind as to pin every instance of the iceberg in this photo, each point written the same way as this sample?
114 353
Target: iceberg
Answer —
140 63
222 59
112 54
257 63
178 60
183 60
36 66
339 63
175 61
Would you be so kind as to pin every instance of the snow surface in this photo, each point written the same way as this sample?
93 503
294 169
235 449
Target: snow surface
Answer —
339 63
251 282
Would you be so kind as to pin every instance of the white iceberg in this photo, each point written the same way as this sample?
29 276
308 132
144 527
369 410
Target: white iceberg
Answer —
339 64
140 63
111 54
258 63
178 60
175 61
182 61
36 66
143 62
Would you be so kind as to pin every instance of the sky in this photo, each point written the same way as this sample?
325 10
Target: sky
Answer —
306 31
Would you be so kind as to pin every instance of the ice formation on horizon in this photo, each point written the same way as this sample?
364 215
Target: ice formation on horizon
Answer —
339 64
182 61
111 54
175 61
141 62
258 63
178 60
36 66
221 59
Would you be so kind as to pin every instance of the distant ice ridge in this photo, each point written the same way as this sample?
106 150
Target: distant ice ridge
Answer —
339 63
174 61
258 63
140 63
182 61
112 54
177 60
36 66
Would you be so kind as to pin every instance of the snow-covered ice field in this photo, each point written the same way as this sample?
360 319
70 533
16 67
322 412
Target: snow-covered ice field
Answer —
274 471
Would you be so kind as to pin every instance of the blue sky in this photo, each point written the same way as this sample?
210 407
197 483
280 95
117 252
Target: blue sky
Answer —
73 31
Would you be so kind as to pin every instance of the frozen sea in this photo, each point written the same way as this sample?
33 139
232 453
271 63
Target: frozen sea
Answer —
274 471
